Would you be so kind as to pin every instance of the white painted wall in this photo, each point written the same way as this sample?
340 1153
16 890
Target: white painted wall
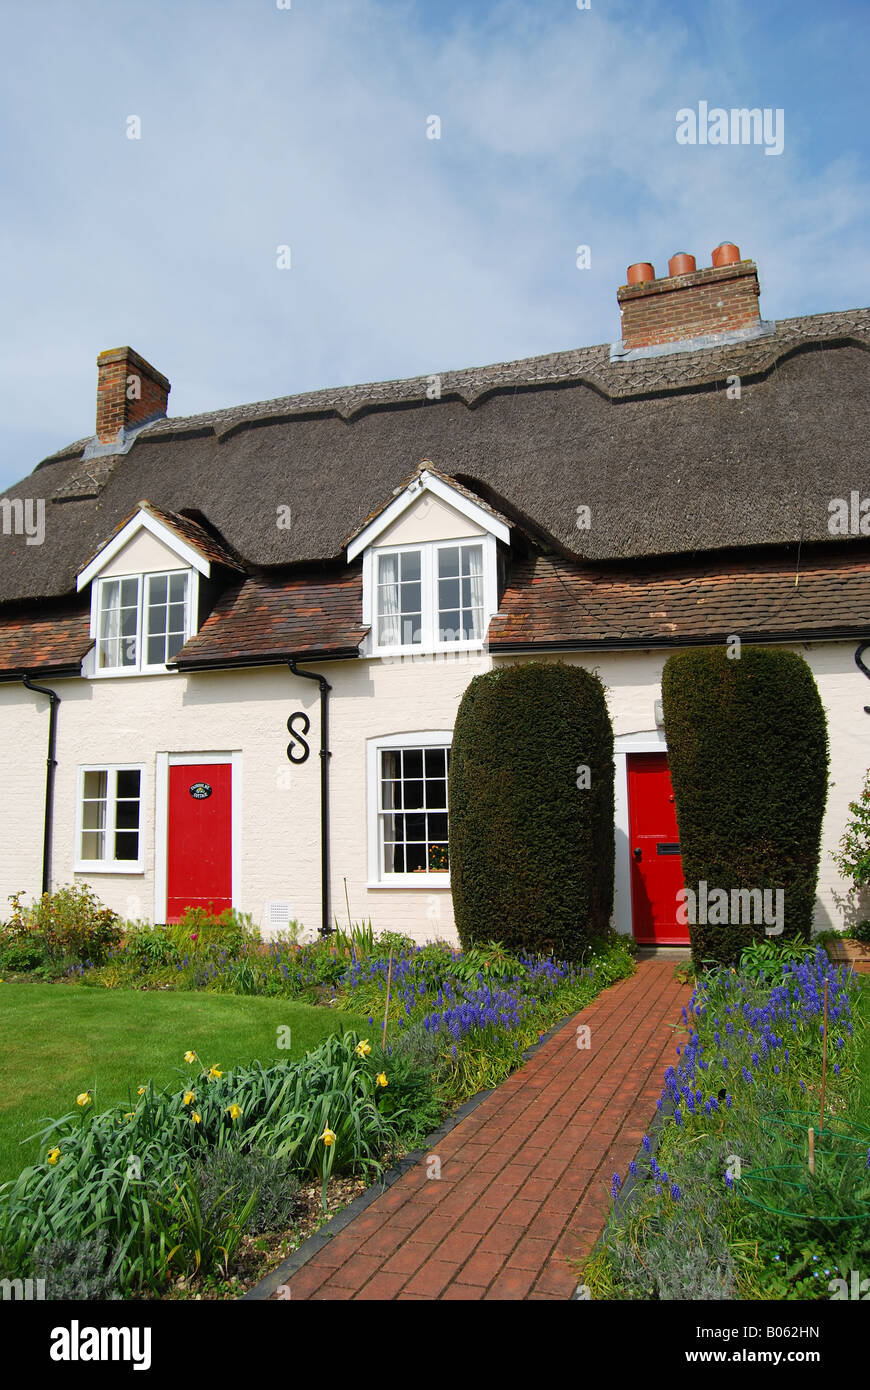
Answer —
133 719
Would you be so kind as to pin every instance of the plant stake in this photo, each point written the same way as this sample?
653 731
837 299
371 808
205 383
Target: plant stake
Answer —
387 1009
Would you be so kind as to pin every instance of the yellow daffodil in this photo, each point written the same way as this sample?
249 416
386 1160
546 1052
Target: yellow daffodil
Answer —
84 1098
381 1078
214 1074
196 1118
129 1115
141 1091
53 1155
190 1057
363 1048
328 1137
234 1111
189 1097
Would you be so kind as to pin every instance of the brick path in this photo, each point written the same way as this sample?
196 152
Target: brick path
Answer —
525 1178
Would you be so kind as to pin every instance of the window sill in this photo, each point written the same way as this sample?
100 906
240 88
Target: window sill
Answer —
98 866
386 653
418 881
132 671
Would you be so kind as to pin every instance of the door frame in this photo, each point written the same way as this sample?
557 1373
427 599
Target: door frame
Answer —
649 741
161 822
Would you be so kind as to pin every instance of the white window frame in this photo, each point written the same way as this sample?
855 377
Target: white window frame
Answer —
377 878
109 866
141 667
429 640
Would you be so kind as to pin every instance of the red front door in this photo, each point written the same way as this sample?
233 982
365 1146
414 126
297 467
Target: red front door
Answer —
656 866
199 852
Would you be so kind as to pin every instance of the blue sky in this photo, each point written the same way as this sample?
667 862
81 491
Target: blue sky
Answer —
263 127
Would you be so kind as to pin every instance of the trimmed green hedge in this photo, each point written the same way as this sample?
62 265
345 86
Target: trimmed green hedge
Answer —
748 753
531 852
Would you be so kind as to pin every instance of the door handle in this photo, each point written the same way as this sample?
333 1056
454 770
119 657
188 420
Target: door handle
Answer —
637 853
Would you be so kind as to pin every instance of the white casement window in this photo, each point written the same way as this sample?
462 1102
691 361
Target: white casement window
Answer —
142 621
109 819
408 810
431 597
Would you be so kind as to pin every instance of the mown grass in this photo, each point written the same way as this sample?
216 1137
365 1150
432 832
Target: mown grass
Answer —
58 1040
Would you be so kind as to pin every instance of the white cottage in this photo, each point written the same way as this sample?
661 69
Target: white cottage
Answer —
239 640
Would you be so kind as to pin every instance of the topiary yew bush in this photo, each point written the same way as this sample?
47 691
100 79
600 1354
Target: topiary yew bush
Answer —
748 753
531 847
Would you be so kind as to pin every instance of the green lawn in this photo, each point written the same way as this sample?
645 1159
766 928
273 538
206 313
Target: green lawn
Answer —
59 1040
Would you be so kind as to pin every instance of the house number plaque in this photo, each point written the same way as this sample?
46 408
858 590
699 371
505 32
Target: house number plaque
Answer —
200 790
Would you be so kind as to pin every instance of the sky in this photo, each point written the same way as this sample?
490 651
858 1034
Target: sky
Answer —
308 125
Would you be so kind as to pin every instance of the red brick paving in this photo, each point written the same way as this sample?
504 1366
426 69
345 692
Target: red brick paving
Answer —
525 1178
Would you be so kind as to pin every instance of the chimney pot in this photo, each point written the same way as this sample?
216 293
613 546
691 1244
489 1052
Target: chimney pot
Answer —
726 253
129 392
640 271
681 264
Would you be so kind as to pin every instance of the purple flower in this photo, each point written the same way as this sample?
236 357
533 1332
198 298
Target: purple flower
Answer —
648 1145
632 1168
729 1181
614 1186
675 1192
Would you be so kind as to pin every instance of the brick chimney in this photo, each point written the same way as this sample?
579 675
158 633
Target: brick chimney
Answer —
721 300
129 392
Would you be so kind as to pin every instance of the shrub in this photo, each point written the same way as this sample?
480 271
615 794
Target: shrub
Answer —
69 924
200 931
76 1270
853 858
242 1172
748 751
531 846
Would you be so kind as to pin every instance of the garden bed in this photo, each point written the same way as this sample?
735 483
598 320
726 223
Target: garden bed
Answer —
720 1202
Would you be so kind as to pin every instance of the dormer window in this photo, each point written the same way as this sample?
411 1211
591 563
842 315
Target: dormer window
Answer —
143 620
145 592
430 595
430 569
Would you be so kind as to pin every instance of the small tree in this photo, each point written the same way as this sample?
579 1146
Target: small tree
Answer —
531 809
748 752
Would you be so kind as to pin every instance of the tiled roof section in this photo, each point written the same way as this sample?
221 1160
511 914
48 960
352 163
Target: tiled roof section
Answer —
185 528
196 535
38 643
550 601
272 617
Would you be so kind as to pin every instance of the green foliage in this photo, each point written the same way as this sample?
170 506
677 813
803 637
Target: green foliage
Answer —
531 846
358 940
200 931
392 941
853 858
491 961
80 1271
748 751
766 958
861 932
242 1172
69 925
147 946
704 1207
136 1171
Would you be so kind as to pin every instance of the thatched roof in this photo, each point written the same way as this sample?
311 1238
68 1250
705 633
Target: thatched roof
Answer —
666 461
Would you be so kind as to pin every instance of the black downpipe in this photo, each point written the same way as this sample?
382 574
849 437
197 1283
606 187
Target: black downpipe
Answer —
325 755
50 765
